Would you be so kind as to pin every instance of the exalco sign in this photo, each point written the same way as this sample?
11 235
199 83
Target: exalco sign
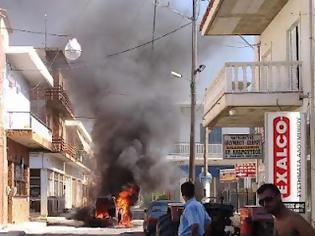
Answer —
281 155
285 154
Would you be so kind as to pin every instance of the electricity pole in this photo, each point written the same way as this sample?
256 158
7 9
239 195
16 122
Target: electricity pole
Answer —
193 93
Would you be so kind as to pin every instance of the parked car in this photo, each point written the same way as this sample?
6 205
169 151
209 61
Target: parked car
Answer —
167 225
152 214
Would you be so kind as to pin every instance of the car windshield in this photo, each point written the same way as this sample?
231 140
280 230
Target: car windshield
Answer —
159 208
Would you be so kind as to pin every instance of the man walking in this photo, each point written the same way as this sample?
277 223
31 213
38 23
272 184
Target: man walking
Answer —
194 221
287 222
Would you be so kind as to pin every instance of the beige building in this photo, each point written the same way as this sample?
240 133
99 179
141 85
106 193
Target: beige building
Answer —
281 78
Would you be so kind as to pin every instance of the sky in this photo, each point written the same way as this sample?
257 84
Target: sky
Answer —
64 16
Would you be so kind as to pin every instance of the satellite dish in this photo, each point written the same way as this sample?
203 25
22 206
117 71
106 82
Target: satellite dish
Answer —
73 49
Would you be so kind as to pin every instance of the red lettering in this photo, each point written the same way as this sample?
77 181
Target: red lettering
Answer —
281 155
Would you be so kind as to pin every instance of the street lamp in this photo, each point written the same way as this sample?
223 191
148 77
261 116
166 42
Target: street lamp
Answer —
73 49
192 119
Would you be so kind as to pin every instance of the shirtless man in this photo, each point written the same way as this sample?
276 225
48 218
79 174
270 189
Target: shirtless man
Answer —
287 222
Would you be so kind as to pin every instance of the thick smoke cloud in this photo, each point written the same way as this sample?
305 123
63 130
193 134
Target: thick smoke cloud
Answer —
133 98
132 95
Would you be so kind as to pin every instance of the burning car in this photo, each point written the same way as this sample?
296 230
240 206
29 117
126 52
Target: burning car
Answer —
111 210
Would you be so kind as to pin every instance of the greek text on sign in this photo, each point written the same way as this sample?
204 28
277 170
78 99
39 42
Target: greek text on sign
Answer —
245 170
242 146
285 154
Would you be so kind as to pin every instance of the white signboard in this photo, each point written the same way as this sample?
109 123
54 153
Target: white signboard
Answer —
242 146
285 154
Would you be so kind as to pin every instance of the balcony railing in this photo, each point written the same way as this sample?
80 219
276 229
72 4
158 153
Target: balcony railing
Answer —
58 93
59 145
183 149
255 77
27 121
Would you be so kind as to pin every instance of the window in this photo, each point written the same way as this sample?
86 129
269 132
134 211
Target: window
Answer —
50 183
35 183
19 180
215 137
58 183
294 51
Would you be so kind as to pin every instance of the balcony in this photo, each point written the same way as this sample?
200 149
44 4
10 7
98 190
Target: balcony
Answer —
59 99
241 17
180 152
243 92
60 146
69 153
26 60
26 129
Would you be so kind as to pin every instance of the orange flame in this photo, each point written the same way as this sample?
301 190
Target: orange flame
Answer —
102 215
124 204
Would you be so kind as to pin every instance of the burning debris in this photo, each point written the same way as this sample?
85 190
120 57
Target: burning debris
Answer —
126 198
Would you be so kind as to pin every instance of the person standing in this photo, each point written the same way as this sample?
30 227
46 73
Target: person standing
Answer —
287 222
194 220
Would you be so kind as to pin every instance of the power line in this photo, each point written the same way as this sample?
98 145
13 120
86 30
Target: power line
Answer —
83 63
151 41
37 32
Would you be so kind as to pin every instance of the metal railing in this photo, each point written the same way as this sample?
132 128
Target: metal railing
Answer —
184 148
59 145
252 77
27 121
58 93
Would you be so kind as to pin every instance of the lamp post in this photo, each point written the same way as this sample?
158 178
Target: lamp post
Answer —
73 49
192 118
194 72
193 93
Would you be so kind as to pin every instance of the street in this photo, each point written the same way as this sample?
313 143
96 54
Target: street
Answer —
42 228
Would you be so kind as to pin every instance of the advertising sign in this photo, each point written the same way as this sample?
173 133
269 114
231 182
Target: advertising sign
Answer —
242 146
227 175
285 155
245 170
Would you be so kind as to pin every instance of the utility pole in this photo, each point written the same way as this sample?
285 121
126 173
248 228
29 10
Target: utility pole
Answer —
193 93
154 22
312 112
206 152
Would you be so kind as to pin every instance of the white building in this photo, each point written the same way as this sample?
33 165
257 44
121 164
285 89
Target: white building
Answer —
179 152
281 79
24 130
59 180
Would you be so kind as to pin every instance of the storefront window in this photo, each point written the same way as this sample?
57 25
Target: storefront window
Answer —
19 181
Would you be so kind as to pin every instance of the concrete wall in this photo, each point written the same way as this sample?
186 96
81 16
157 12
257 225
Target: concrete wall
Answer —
184 123
274 39
4 42
18 204
16 91
20 209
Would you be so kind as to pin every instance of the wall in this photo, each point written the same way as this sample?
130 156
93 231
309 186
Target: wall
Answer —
274 38
184 123
16 92
4 42
20 210
18 205
235 130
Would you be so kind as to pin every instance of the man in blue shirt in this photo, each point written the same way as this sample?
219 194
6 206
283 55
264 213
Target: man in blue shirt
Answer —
194 220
